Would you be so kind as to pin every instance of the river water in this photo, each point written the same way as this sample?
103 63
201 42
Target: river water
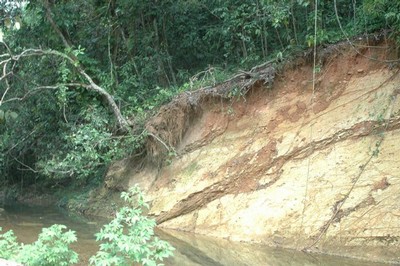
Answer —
26 222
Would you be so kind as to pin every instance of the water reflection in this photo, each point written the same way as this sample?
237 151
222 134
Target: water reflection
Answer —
205 251
191 249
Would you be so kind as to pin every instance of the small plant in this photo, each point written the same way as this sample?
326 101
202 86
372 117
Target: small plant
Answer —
377 148
129 237
170 156
236 91
8 244
51 248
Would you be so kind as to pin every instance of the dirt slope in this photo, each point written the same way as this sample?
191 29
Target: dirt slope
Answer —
315 169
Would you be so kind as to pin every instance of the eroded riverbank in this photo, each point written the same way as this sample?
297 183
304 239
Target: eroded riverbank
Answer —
307 164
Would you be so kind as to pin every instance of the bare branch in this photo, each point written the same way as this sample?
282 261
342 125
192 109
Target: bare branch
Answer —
21 141
40 88
7 48
4 76
162 142
122 122
65 117
27 167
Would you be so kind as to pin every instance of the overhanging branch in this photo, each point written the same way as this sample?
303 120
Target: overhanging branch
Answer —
90 85
123 124
40 88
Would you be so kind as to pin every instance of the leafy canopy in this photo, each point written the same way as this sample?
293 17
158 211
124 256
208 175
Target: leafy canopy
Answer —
58 128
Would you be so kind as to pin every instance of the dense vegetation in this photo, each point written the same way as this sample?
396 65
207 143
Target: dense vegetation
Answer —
78 78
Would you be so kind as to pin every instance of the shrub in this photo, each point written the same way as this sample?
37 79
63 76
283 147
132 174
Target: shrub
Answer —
51 248
129 237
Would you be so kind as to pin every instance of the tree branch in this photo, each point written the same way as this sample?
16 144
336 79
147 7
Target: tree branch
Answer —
39 88
71 58
4 76
122 122
27 167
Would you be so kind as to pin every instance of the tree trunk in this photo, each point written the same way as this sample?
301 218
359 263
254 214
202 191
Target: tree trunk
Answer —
171 69
162 75
294 22
122 123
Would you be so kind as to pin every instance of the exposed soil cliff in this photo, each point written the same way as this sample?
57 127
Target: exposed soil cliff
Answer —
295 165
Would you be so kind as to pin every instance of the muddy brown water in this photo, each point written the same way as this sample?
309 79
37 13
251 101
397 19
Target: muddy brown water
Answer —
27 222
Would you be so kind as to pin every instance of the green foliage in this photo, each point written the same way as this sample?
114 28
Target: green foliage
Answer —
129 237
8 244
143 53
51 248
88 146
382 14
